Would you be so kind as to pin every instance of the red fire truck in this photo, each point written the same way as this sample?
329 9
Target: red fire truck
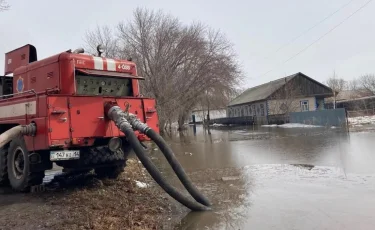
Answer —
63 98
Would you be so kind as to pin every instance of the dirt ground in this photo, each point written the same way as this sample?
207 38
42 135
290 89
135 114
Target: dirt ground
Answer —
86 202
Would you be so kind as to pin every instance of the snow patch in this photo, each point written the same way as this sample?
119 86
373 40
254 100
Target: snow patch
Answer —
293 125
296 125
141 184
359 121
295 173
269 125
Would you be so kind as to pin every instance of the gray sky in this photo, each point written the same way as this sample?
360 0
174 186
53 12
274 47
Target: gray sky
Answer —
256 28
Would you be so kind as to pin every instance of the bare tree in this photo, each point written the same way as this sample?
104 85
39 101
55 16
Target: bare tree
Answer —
216 96
4 5
286 99
103 36
367 82
353 85
180 62
337 85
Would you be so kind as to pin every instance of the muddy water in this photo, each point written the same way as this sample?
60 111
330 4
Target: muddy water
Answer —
278 178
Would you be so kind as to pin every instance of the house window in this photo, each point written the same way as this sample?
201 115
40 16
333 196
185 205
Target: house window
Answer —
304 105
261 109
254 111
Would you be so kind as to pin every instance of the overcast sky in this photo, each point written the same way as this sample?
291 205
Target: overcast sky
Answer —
256 28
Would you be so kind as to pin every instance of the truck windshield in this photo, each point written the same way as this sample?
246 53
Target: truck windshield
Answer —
103 85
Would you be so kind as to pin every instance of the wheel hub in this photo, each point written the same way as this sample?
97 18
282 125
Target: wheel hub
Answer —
19 163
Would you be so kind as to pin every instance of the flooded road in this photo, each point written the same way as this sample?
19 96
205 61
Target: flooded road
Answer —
279 178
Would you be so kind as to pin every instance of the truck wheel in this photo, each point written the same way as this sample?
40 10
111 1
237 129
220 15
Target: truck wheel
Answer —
3 167
19 174
102 154
111 172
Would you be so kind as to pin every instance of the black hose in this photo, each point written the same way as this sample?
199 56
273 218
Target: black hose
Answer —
177 168
156 175
144 146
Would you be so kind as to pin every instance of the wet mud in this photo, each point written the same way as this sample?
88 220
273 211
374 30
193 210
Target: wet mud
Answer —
82 201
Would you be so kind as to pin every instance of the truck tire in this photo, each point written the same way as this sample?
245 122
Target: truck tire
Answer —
3 167
112 171
20 177
102 154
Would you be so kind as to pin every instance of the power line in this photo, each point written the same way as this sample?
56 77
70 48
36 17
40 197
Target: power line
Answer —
308 30
321 37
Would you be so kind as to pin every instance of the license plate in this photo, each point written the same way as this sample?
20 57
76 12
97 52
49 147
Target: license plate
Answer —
64 155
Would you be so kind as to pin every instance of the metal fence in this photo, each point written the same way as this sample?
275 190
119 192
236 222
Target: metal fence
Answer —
248 120
278 119
328 117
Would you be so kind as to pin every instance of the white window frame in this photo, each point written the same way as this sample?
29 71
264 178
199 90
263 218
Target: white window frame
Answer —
304 105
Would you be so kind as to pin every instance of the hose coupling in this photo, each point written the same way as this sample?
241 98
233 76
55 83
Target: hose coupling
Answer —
137 124
28 130
118 116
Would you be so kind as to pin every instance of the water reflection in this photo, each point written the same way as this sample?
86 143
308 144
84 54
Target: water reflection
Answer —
282 174
228 190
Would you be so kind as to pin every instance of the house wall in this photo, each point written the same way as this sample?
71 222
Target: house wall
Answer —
251 109
281 106
200 115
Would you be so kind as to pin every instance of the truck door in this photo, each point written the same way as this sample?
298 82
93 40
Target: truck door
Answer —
87 117
58 115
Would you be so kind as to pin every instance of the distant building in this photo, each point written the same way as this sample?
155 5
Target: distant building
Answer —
199 115
294 93
352 100
349 95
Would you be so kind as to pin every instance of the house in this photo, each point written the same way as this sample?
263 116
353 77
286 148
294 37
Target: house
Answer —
294 93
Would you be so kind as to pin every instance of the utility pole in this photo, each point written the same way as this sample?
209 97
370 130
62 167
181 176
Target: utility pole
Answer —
208 108
334 89
334 99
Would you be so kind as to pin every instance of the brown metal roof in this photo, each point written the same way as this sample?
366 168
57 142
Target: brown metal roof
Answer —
262 92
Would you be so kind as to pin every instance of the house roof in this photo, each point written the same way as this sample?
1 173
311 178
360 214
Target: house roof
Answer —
262 92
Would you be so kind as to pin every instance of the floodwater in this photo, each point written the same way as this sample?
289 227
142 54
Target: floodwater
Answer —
278 178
